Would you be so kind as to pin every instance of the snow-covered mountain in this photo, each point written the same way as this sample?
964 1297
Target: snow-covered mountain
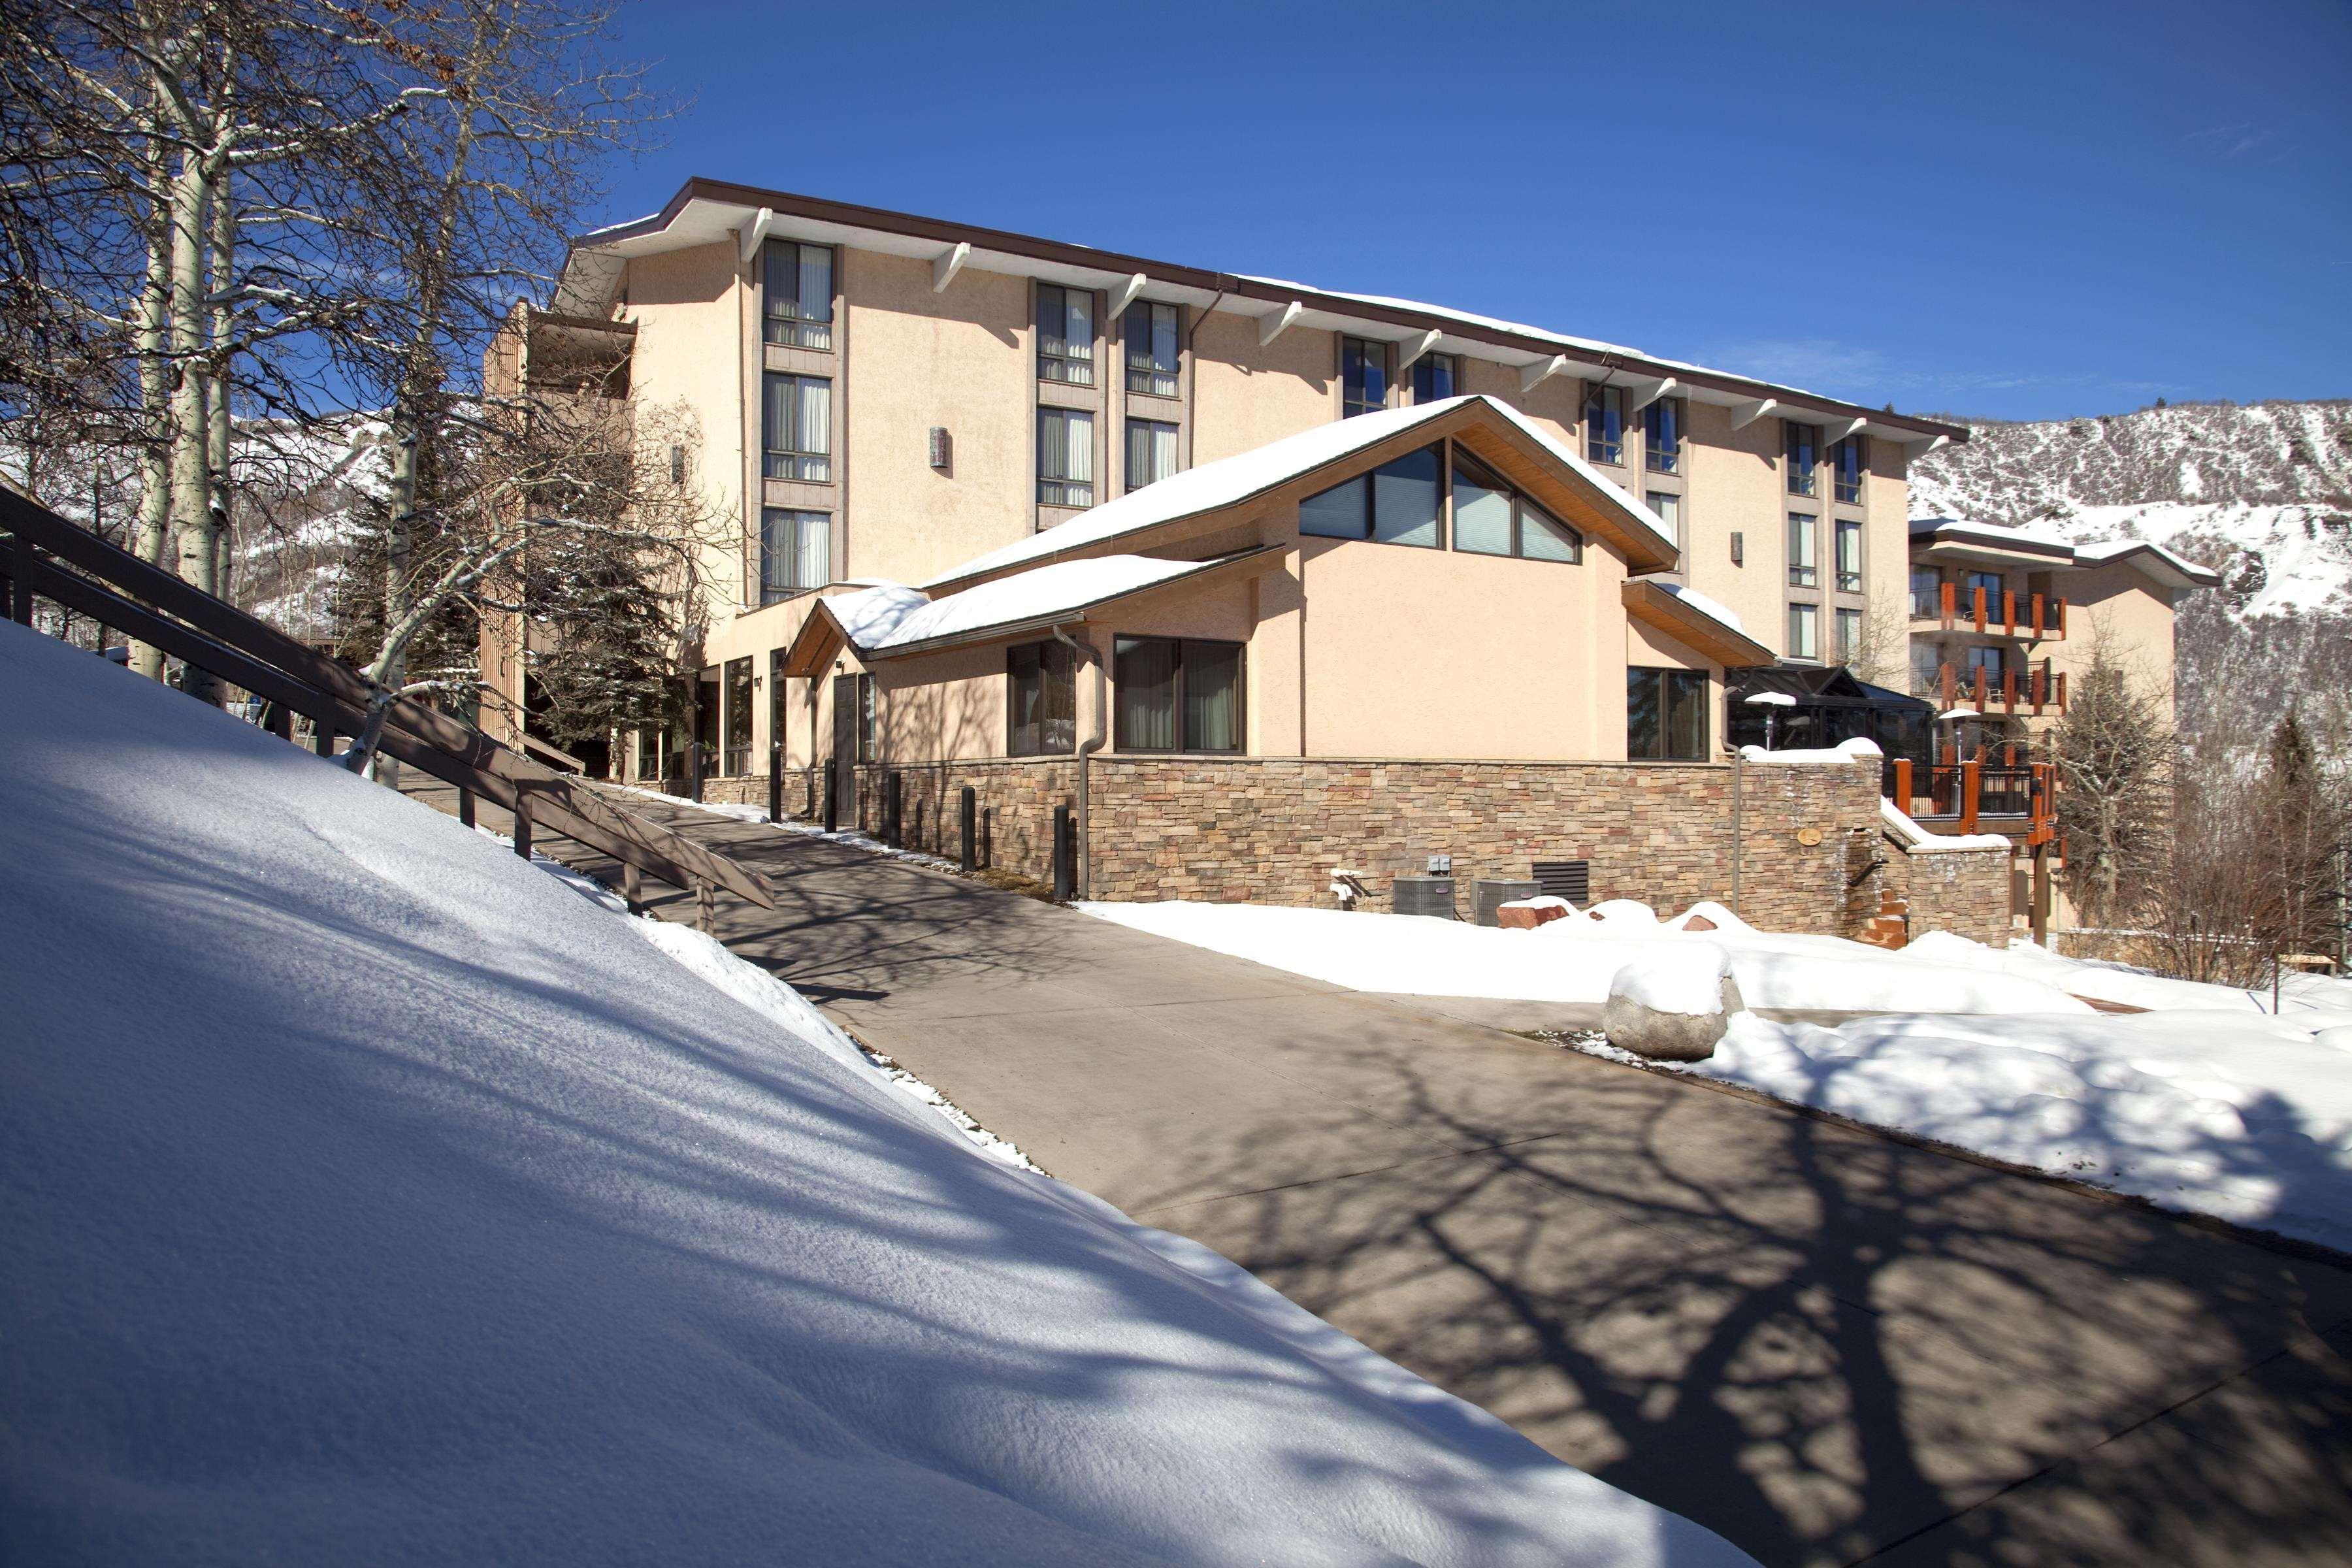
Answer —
2263 492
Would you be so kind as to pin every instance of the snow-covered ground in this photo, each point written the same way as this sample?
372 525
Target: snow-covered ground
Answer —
2205 1103
367 1194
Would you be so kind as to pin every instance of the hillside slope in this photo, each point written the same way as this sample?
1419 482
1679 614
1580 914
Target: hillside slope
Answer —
2263 492
369 1195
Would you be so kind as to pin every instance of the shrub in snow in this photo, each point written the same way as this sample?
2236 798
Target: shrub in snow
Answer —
1670 1005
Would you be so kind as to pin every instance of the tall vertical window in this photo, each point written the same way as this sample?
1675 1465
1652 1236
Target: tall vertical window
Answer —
1668 507
1805 631
1396 503
1151 452
795 551
1363 377
1604 424
735 759
1926 592
796 284
1849 556
1804 550
1849 636
776 714
1151 349
1665 715
1065 457
1177 696
1041 694
651 749
1804 445
868 730
1662 436
1988 660
1927 667
797 426
1436 377
1066 334
1849 461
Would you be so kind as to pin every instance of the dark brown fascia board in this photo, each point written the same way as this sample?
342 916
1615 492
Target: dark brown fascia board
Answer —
2192 574
583 323
850 215
1691 626
1964 534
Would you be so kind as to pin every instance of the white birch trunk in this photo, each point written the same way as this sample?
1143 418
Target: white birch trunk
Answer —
153 533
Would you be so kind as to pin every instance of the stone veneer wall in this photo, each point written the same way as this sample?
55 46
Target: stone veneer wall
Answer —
1016 797
1964 891
1272 830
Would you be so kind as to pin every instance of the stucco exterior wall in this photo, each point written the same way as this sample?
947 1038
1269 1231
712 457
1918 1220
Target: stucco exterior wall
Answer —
690 354
2131 616
1244 395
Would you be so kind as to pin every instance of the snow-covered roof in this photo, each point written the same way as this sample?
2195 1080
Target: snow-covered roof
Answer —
1706 606
892 617
1230 481
2166 565
2163 561
2029 540
1694 620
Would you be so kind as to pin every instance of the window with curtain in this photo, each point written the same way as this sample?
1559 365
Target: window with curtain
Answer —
1849 461
1849 636
797 427
735 758
1805 631
795 550
1927 667
1177 694
1151 349
1363 377
1665 715
1066 334
1396 503
1065 457
796 285
1926 592
1436 377
1662 436
1668 508
1849 556
1490 517
1151 452
1804 550
1604 424
1041 696
1802 444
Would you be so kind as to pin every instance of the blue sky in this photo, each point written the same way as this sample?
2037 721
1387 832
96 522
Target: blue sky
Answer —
2007 211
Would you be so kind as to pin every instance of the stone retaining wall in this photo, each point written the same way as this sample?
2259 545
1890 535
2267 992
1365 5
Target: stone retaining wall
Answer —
1964 891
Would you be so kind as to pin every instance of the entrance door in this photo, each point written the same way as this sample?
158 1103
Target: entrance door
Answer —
845 745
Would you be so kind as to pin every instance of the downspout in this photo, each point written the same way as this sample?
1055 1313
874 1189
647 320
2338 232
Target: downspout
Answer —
1087 652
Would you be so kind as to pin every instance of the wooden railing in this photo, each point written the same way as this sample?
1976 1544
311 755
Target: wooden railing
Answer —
2034 617
1964 794
2035 689
42 555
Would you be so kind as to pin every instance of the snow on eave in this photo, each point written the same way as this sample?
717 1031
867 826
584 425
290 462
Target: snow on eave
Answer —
2029 541
1234 481
1694 620
2166 566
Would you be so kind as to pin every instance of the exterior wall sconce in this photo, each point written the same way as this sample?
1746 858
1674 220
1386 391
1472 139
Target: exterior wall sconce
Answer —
942 448
1739 548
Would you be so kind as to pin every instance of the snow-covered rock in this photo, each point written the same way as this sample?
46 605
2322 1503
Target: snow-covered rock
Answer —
1671 1003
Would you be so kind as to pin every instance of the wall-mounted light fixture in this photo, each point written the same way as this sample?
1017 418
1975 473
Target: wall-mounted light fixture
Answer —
1739 548
942 448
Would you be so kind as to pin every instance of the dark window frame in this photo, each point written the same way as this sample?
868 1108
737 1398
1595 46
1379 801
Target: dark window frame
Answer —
1146 376
807 467
1356 355
869 728
1370 535
798 327
1801 454
1808 573
1847 648
1057 489
1075 368
1662 451
1520 506
1789 623
1850 469
735 687
1425 377
772 592
1599 447
1695 688
1119 739
1176 440
1041 656
1841 530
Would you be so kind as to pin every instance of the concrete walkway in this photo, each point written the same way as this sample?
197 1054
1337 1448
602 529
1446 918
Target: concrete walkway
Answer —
1831 1347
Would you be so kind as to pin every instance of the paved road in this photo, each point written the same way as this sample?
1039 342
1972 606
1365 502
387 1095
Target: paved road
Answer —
1828 1346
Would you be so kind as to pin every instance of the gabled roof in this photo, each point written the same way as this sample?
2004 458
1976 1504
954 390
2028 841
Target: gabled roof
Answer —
892 620
1694 620
1230 481
2169 567
1818 685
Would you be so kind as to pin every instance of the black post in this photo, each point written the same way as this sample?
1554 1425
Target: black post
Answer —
322 738
465 806
276 717
970 825
1065 882
832 797
894 787
776 784
522 824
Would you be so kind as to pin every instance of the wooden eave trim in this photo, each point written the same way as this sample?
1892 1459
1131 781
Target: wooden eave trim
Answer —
1694 629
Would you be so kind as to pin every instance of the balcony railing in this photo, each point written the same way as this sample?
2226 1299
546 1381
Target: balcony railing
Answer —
1956 797
2036 690
2037 617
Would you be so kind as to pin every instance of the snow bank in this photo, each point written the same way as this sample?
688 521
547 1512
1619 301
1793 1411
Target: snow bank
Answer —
1685 980
2244 1117
2317 996
369 1194
1573 961
1860 749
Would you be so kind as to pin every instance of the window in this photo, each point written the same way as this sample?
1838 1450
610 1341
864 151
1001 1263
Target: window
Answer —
1604 424
1927 667
735 759
796 284
1065 457
1363 376
653 745
868 752
1491 519
1041 696
1804 550
1803 442
1849 461
776 714
1178 695
1665 715
1849 556
1849 636
1669 509
795 549
1987 659
1662 436
1396 504
1066 334
1151 452
1926 592
797 427
1988 581
1436 377
1151 362
1805 631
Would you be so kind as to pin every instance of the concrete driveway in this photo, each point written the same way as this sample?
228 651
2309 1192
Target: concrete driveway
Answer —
1828 1346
